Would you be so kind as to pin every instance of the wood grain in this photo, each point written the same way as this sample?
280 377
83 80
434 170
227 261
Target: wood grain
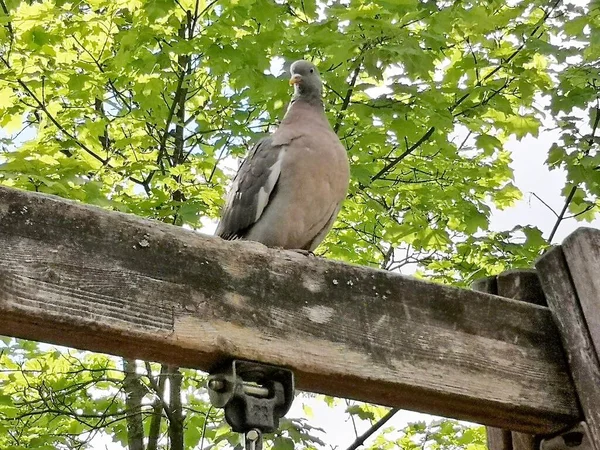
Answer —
582 253
84 277
564 302
497 438
522 285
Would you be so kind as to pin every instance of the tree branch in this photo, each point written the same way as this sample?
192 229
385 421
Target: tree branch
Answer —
360 440
562 213
407 152
41 104
458 102
56 123
8 25
157 406
348 96
545 204
176 423
569 198
511 56
159 389
179 91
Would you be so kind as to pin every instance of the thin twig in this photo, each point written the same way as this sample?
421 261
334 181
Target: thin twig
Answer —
545 204
562 213
376 426
206 416
408 151
348 96
352 419
569 198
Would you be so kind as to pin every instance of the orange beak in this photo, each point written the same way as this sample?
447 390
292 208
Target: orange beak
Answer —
296 79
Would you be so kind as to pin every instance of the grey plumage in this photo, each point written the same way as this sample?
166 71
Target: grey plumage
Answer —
243 206
288 191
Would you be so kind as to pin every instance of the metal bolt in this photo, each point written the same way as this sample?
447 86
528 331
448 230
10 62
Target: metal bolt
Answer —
253 440
216 385
256 390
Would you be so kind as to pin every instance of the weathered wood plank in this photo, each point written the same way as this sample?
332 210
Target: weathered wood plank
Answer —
564 302
524 441
497 438
522 285
582 253
104 281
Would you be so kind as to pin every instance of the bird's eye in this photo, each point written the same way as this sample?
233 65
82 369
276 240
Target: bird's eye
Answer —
312 70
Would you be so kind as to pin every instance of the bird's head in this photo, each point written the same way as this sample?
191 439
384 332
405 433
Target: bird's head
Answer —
306 80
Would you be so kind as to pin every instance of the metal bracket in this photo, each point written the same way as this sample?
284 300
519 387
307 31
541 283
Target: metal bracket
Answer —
575 438
255 396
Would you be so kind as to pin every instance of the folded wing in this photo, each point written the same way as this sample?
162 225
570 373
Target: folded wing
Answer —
253 188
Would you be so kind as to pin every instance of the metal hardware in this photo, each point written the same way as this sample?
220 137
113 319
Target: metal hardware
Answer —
255 396
576 438
253 440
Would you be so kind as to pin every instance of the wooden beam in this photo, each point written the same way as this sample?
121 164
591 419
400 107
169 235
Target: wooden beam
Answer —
582 253
88 278
497 438
522 285
565 301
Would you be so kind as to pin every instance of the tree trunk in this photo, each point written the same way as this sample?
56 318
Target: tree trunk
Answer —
134 391
157 409
176 421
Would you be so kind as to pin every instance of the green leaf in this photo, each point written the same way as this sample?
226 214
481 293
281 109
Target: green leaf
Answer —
488 143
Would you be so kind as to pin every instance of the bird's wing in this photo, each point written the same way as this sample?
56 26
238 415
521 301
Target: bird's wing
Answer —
253 186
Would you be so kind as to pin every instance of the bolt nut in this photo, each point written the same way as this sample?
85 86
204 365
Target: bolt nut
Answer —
252 435
216 385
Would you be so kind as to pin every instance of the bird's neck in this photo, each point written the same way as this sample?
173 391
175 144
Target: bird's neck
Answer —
312 96
301 104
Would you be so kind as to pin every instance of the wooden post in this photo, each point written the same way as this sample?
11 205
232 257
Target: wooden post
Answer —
497 438
582 252
570 277
522 285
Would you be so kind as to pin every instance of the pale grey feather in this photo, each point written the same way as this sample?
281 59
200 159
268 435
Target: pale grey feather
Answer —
251 189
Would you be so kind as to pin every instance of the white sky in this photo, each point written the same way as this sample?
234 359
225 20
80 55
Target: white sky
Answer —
533 176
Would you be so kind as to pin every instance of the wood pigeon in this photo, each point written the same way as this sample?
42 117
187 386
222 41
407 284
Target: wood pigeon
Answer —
289 189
